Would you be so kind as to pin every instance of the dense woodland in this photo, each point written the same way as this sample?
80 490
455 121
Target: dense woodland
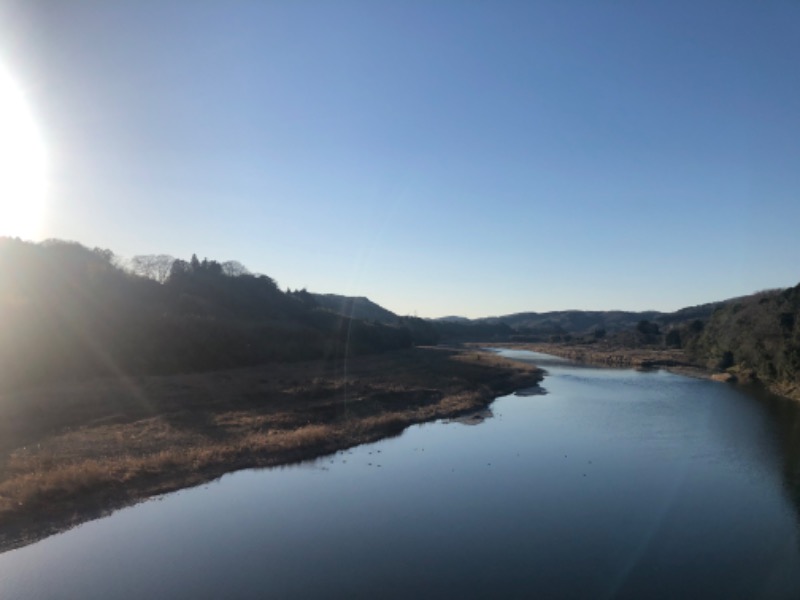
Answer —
70 312
756 337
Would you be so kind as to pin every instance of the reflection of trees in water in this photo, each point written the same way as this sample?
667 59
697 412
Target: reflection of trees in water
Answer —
786 417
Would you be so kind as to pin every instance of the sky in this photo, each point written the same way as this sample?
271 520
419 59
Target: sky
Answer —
468 158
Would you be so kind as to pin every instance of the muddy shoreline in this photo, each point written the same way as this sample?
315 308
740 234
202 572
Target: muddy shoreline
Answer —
78 451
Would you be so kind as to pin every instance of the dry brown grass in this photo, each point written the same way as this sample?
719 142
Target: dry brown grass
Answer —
82 449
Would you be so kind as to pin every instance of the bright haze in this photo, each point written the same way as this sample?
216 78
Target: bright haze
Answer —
470 158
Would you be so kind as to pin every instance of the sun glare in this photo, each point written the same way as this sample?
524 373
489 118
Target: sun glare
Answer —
22 164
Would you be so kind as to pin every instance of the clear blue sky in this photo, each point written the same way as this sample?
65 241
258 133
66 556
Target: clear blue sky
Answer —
467 157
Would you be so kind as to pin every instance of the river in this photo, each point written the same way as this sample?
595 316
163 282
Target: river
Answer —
614 484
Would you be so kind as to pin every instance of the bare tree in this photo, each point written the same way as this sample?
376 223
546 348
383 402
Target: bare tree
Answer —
154 266
233 268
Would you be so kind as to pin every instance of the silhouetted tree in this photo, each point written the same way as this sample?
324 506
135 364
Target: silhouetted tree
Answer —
233 268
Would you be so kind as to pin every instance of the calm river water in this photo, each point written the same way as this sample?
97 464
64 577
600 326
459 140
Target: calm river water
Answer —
615 484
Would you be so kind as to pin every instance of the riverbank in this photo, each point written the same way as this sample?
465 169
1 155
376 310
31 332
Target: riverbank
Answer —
670 359
615 356
76 451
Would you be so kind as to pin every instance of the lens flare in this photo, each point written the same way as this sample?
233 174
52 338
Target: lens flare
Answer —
22 164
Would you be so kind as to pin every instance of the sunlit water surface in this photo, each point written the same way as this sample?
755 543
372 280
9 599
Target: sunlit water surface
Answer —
615 484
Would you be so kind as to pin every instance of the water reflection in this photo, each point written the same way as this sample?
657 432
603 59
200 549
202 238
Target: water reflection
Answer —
785 418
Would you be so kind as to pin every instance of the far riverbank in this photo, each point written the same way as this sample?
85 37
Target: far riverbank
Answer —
613 356
670 359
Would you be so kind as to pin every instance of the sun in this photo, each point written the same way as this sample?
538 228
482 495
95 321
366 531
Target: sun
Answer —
22 164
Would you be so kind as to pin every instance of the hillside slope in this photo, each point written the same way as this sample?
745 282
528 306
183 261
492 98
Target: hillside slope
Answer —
355 307
71 312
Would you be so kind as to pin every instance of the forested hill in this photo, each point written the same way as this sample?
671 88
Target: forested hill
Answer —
757 336
70 312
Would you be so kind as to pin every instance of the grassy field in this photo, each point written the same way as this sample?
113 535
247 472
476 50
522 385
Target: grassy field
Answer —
74 451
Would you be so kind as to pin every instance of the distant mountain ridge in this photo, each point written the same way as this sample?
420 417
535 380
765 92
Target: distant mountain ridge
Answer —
525 323
583 321
453 319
